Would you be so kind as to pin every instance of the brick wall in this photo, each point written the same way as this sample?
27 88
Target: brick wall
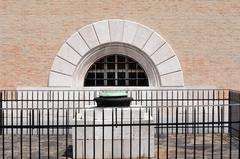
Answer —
204 34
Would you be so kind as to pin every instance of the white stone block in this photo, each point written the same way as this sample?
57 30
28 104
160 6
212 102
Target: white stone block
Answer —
89 35
142 35
116 30
154 43
62 66
162 54
173 79
129 31
96 146
102 30
78 44
56 79
67 53
119 135
168 66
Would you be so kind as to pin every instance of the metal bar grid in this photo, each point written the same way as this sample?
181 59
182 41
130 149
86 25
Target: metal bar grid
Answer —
177 124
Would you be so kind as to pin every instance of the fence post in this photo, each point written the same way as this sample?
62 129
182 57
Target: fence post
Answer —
230 112
234 110
1 115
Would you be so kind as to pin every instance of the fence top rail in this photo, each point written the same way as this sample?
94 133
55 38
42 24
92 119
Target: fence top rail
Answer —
133 89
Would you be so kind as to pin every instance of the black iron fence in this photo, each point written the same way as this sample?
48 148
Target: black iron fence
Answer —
159 124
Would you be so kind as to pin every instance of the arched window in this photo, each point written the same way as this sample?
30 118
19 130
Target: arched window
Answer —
116 70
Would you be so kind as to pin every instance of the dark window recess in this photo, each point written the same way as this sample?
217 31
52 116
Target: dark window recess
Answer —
89 83
121 75
132 66
132 75
141 75
111 75
121 65
99 82
121 83
111 58
116 70
90 76
110 82
132 82
110 66
100 75
100 66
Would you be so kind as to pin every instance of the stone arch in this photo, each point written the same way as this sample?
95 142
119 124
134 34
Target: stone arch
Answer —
79 51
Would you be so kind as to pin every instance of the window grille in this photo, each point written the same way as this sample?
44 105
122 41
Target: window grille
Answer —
116 70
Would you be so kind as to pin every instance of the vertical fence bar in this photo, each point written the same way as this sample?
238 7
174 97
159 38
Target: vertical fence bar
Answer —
30 132
197 111
42 99
53 110
63 110
176 156
221 130
58 130
94 133
103 131
230 124
7 106
32 117
208 109
21 134
162 107
172 109
149 132
194 132
84 135
1 115
213 123
66 135
218 110
17 115
158 125
203 151
167 132
27 102
48 137
139 137
75 137
113 130
203 105
130 133
57 123
39 134
185 134
121 133
2 125
12 139
186 127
